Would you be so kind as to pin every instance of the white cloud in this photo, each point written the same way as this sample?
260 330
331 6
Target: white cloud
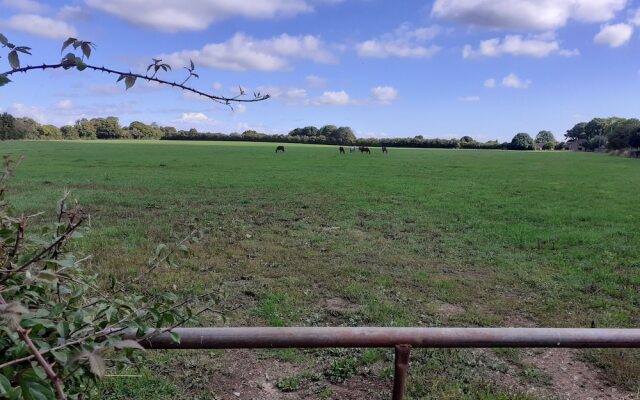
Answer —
194 117
340 98
65 104
513 81
40 26
635 19
179 15
470 99
73 13
614 35
22 110
25 6
287 95
490 83
315 81
243 53
216 86
384 94
526 14
403 42
516 45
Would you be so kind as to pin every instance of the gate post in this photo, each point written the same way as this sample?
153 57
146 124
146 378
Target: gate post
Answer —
401 367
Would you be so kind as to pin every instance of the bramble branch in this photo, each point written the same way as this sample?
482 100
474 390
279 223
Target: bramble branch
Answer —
66 65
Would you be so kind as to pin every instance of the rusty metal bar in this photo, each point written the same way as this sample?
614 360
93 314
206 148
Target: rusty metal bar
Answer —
403 352
235 338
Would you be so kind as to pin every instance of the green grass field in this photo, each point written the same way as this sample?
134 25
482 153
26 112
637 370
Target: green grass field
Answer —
313 238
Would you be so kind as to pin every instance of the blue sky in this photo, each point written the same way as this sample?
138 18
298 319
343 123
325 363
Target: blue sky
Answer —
443 68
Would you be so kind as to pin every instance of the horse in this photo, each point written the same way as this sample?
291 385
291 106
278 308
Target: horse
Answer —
280 149
365 150
342 150
384 150
352 149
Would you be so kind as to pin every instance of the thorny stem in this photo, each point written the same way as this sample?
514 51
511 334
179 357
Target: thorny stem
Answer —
219 99
24 335
38 256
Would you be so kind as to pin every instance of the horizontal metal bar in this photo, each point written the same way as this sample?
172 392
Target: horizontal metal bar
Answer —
257 337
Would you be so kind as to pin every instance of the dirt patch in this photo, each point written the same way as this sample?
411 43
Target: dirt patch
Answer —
243 374
560 375
446 310
338 305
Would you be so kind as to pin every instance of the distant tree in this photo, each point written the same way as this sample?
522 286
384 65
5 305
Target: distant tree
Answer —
26 128
85 128
69 132
522 141
419 137
7 127
597 142
168 131
306 131
328 131
344 135
107 128
49 132
621 133
467 139
577 132
546 140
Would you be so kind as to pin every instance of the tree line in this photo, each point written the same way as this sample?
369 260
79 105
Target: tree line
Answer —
599 133
612 133
95 128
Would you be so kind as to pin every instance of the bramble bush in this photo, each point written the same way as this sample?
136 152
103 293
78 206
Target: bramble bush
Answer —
60 328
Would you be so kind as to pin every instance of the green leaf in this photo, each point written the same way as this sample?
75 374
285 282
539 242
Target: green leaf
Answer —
33 388
86 49
81 66
121 77
183 248
47 276
129 81
3 39
160 248
67 43
5 385
23 49
175 337
60 356
14 61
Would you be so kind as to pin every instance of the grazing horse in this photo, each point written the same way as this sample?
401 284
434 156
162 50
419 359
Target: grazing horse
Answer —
365 149
280 149
342 150
384 150
352 149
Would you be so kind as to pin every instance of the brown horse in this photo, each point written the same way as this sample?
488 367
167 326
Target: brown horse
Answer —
341 150
365 149
384 150
280 149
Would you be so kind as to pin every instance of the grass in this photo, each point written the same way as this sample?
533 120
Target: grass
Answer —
550 238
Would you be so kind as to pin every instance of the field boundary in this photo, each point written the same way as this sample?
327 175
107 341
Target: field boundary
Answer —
401 339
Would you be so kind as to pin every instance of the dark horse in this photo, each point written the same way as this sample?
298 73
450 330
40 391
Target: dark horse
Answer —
280 148
384 150
341 150
364 149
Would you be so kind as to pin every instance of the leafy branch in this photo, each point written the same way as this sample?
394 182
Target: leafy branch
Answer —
72 61
58 323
